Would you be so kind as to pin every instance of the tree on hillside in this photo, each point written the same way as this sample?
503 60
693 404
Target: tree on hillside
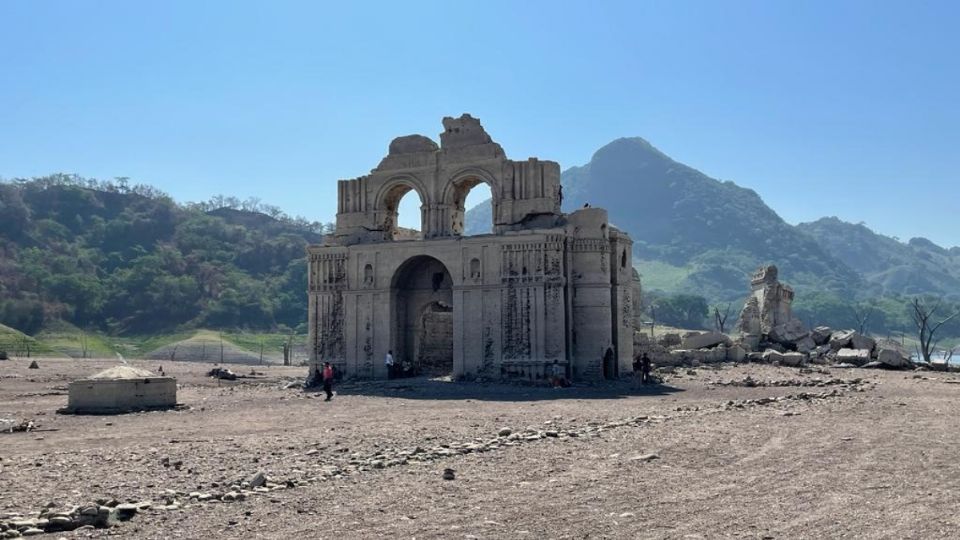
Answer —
862 311
681 310
720 319
925 318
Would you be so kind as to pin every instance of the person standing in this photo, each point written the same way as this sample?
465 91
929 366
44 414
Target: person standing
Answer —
328 380
388 361
637 372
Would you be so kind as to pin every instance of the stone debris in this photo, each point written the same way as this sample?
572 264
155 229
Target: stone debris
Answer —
222 373
449 474
750 382
706 340
12 426
770 333
33 365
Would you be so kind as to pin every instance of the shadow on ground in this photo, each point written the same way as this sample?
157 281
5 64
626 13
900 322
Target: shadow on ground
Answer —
426 388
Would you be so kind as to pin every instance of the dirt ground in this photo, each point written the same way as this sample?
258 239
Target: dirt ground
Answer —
695 457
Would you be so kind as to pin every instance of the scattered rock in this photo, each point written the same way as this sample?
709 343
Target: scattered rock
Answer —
856 357
448 474
701 341
34 365
821 335
841 339
257 480
893 358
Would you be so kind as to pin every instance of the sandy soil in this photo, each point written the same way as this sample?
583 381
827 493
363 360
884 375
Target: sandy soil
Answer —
871 459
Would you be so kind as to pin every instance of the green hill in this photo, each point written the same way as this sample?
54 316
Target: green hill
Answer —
892 267
110 258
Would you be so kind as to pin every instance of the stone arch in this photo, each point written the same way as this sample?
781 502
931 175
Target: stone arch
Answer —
455 192
421 291
387 201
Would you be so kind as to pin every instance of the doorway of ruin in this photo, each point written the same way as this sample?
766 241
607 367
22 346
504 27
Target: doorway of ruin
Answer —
422 291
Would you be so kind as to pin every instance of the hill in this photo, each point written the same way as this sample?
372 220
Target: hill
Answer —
891 266
693 233
107 257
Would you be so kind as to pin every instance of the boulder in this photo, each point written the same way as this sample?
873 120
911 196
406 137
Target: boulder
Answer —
859 341
770 356
821 335
857 357
701 341
893 358
736 353
793 359
806 344
841 339
788 332
750 342
33 365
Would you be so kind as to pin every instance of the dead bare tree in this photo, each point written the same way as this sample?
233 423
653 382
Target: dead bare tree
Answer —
862 313
720 319
924 317
173 353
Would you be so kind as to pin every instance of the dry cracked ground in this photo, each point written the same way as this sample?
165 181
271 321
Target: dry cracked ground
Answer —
744 451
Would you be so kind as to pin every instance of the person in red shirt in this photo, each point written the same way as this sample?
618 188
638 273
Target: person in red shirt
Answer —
328 380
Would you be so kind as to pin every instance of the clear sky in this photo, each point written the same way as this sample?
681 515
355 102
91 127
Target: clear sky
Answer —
824 108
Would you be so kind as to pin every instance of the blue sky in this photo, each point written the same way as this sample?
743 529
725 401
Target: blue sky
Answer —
824 108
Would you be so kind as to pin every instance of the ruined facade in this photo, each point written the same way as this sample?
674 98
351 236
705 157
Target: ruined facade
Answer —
767 313
544 287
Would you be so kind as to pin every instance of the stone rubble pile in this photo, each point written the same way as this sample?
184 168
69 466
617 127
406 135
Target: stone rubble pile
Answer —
769 333
750 382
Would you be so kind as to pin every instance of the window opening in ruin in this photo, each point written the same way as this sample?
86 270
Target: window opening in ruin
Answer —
368 274
408 217
475 268
473 212
623 259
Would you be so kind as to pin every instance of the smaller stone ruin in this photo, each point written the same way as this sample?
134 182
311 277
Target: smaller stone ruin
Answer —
121 389
770 333
767 332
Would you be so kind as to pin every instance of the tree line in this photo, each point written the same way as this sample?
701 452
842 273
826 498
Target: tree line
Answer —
119 257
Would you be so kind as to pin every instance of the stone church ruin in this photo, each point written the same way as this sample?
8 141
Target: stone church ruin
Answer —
544 287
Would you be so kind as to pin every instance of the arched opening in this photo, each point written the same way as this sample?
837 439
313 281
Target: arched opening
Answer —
423 299
403 213
473 207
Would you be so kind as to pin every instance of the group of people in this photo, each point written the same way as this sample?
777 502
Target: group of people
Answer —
641 370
